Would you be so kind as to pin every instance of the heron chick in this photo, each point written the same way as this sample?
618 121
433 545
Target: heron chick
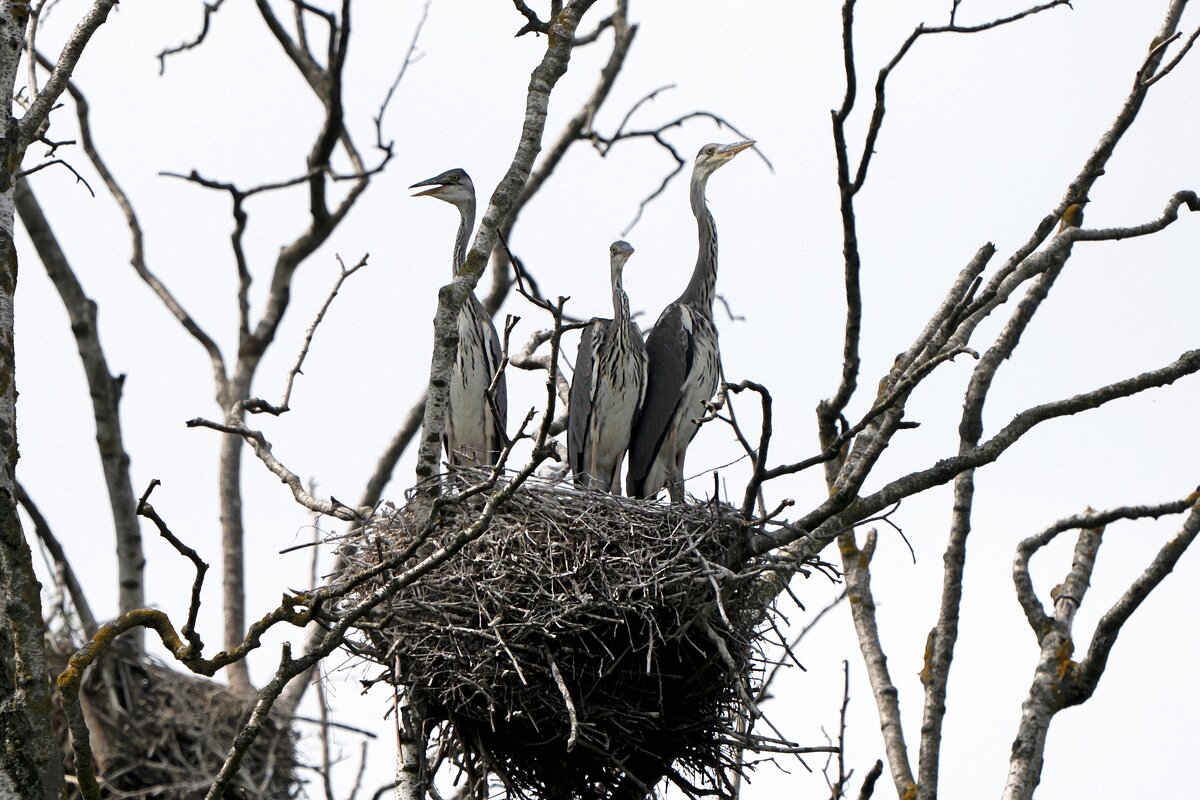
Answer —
606 389
473 433
684 361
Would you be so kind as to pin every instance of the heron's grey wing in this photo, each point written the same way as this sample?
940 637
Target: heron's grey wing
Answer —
637 346
669 355
579 400
494 354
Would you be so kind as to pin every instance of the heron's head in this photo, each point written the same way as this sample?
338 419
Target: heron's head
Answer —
618 253
453 186
712 156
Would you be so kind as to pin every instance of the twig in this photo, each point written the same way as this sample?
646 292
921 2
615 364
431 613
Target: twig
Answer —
362 771
144 509
409 59
573 738
1174 62
759 459
262 449
210 9
78 178
41 527
323 728
533 23
839 788
868 787
256 405
339 725
765 687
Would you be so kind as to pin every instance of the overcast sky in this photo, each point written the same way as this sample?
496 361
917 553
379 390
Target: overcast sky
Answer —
983 134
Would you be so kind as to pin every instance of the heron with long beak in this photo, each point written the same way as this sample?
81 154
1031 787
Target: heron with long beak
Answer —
684 360
475 422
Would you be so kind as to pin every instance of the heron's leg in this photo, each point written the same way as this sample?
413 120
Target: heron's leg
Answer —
615 486
675 479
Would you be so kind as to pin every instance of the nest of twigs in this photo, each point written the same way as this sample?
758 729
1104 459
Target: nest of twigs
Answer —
584 646
159 734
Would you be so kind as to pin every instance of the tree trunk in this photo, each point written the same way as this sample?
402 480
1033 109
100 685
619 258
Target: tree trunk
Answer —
30 762
233 573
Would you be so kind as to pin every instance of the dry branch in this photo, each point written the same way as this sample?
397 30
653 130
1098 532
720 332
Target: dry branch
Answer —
263 449
255 405
1060 682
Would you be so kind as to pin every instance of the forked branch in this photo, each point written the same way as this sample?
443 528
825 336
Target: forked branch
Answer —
1060 682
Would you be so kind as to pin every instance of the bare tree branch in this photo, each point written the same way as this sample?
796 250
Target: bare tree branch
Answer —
1110 624
144 509
105 391
841 511
210 10
856 564
41 527
262 449
1162 73
1091 519
939 652
39 110
1059 682
255 405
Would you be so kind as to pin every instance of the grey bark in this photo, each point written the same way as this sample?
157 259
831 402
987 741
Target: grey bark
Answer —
1059 681
30 761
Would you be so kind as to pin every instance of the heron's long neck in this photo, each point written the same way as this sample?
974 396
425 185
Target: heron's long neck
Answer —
465 226
700 290
620 300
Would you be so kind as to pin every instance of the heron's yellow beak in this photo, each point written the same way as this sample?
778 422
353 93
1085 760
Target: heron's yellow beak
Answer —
731 150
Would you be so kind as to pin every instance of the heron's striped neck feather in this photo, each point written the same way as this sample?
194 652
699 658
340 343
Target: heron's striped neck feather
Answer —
621 322
465 226
702 287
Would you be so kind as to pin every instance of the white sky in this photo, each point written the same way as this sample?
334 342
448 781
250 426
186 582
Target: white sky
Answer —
983 134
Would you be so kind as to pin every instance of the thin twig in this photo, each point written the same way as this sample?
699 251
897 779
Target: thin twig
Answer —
256 405
573 738
210 9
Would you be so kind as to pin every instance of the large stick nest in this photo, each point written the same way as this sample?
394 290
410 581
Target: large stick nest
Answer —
160 734
584 646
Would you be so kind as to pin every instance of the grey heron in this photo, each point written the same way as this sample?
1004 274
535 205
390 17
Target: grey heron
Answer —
606 389
473 431
684 361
